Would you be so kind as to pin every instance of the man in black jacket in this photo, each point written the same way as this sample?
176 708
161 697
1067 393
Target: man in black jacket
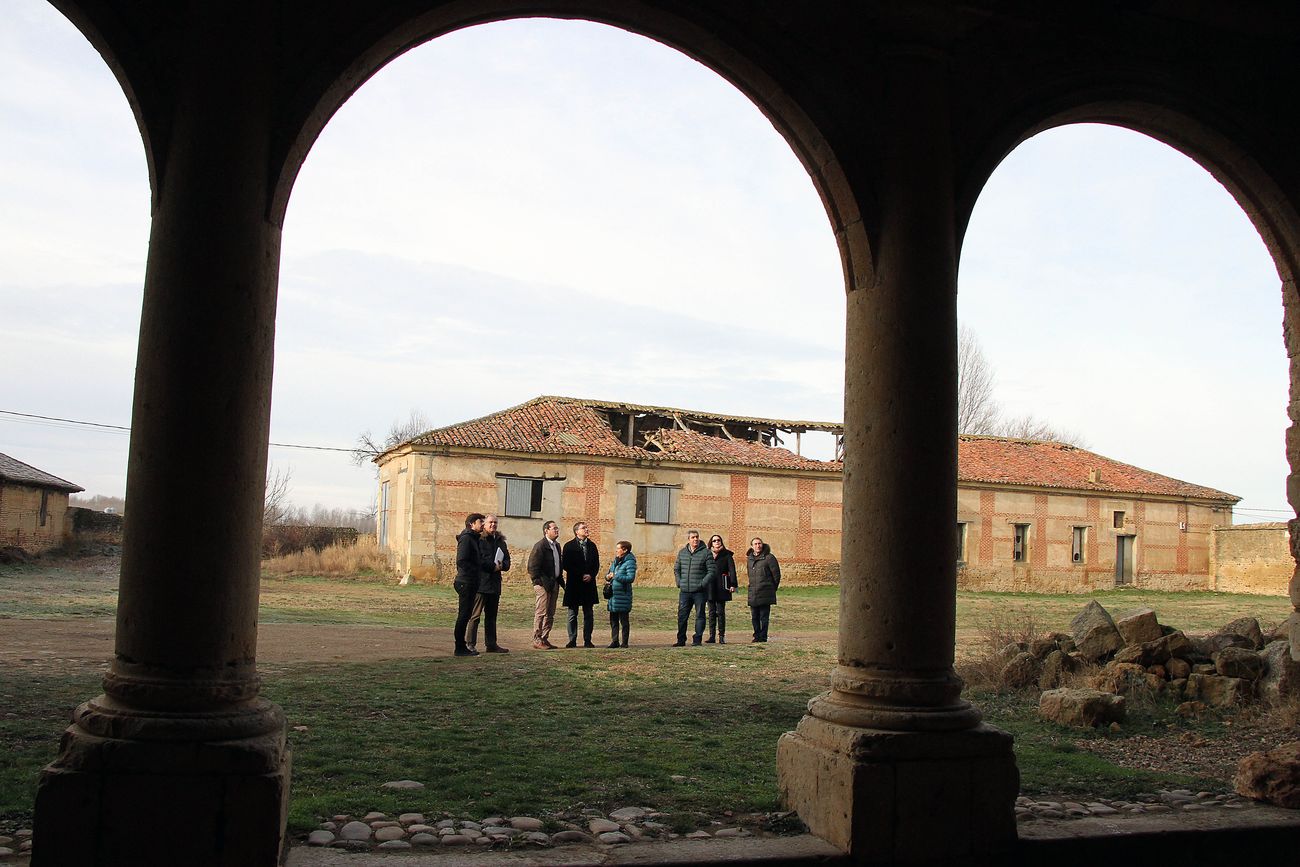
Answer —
496 561
544 565
469 572
581 563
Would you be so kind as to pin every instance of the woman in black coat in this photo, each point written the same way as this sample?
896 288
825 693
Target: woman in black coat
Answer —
720 589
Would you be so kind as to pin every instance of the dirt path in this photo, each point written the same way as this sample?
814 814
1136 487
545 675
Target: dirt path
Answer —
91 641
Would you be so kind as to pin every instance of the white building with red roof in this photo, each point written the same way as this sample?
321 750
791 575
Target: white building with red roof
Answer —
1031 515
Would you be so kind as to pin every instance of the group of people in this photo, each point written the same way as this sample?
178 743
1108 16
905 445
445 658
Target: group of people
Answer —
706 577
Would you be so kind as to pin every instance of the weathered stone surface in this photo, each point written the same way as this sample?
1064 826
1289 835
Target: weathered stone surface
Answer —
1272 777
355 831
1248 628
614 837
1129 680
374 816
1239 662
351 845
570 837
1157 671
455 840
602 826
1174 645
525 823
423 839
1041 647
1177 669
1081 708
411 818
394 844
628 814
384 823
699 835
1095 633
1209 646
1139 626
403 785
420 829
1217 691
385 834
1057 668
1023 670
1281 680
320 838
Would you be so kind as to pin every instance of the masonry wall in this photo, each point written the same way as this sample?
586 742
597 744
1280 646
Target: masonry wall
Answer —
1252 558
799 517
1171 541
20 517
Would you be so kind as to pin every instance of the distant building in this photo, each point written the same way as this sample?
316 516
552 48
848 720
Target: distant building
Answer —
33 506
1031 515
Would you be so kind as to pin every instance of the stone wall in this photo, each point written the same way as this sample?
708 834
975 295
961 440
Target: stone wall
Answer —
1253 558
94 525
24 524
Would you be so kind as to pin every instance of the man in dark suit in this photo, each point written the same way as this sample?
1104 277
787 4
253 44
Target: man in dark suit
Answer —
544 565
581 566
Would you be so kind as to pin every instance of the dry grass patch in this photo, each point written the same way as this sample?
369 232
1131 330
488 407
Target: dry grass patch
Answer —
361 558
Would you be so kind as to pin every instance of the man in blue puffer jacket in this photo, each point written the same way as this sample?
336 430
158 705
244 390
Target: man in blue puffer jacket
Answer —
694 570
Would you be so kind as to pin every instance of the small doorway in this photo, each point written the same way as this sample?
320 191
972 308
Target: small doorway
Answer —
1123 561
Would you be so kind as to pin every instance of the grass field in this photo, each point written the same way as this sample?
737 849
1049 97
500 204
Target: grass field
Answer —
684 730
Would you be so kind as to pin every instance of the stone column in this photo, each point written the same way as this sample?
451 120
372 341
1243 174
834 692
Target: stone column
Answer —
180 761
891 764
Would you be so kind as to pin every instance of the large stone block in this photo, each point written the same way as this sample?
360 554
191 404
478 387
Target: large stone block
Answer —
1138 626
1081 708
1272 777
1239 662
1094 632
1217 691
1281 680
902 797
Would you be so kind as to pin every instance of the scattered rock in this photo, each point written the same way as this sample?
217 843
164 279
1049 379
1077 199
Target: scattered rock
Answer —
1057 668
1272 777
1081 708
1191 709
1129 680
602 826
1217 691
1247 628
404 785
570 837
1177 669
614 837
628 814
1023 670
456 840
1281 680
411 818
374 817
1239 662
525 823
729 832
320 838
1138 626
384 823
351 845
423 839
699 835
383 835
1041 647
1094 632
355 831
394 844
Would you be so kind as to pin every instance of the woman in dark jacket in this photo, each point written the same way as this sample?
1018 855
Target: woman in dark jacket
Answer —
469 572
720 589
764 579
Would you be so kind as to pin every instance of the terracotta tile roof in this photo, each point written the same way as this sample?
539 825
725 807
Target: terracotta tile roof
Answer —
12 470
1055 465
566 426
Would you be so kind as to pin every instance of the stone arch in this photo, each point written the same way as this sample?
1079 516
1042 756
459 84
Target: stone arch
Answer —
327 86
1199 131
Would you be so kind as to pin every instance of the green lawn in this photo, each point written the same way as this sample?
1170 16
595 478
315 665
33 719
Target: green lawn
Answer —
539 733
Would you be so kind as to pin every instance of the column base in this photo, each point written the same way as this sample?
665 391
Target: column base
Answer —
888 797
108 801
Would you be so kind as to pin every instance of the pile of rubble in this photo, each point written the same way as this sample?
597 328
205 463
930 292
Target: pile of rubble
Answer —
1134 657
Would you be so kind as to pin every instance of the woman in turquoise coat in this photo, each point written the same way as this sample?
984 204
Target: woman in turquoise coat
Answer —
622 572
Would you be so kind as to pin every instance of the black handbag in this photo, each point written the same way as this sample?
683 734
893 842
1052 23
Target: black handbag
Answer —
608 590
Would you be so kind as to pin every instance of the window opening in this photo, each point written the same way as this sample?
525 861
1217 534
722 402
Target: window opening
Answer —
1080 539
654 504
523 497
1019 542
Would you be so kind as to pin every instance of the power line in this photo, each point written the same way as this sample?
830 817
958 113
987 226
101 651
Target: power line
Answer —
53 421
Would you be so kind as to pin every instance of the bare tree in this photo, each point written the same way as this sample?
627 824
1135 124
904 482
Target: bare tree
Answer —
368 447
977 410
275 501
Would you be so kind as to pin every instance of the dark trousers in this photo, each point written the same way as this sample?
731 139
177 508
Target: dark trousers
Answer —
491 602
717 617
617 620
466 594
685 601
761 614
587 623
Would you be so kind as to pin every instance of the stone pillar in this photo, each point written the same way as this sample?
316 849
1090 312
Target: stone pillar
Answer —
180 761
890 764
1291 335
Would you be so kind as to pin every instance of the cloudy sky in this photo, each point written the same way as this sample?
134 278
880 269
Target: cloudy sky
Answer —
544 207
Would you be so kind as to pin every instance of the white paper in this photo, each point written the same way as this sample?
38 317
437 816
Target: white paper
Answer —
501 555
